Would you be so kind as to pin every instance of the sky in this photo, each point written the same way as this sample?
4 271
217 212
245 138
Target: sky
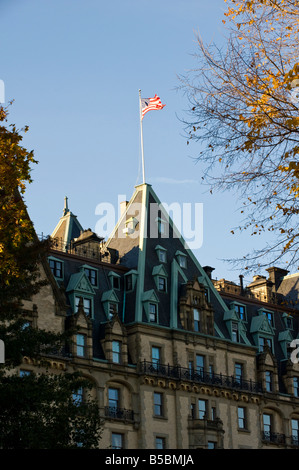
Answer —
74 69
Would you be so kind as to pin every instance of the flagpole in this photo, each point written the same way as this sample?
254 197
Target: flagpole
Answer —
141 136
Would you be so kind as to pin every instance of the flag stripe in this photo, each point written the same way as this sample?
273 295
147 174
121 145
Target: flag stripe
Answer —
149 104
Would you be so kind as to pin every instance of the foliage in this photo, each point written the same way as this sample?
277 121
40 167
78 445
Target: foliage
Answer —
37 411
244 110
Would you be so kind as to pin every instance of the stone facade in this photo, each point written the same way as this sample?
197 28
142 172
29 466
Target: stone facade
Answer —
177 360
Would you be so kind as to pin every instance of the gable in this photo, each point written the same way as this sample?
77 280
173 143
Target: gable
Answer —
79 282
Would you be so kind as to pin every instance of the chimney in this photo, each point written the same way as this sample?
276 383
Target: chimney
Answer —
276 275
241 284
208 271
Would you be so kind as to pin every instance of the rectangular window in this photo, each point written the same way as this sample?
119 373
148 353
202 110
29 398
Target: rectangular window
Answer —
183 261
158 404
295 431
81 345
268 376
153 313
92 276
196 319
264 342
162 256
240 310
238 372
117 441
267 426
113 398
296 386
115 282
202 409
116 350
193 410
211 445
86 305
129 282
160 443
162 284
56 268
235 332
241 418
78 396
200 364
213 413
156 356
113 309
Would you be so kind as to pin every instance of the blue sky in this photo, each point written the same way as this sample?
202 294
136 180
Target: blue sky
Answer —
74 69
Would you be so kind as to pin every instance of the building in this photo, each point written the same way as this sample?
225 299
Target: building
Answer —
177 359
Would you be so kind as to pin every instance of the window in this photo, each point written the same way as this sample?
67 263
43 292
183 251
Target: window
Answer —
240 310
264 342
267 426
238 372
162 256
158 404
160 443
115 282
23 373
241 418
269 381
182 261
156 356
113 309
113 400
200 364
117 440
211 445
202 409
153 313
86 305
295 431
56 268
129 282
296 386
235 331
270 317
78 396
81 345
213 413
161 226
289 322
116 349
196 319
92 276
161 284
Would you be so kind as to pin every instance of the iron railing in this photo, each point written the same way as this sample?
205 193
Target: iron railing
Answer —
119 413
273 437
209 378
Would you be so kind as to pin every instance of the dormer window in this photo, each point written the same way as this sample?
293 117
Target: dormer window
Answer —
92 275
182 259
87 305
153 310
235 332
113 309
114 280
270 316
56 267
240 310
162 284
161 253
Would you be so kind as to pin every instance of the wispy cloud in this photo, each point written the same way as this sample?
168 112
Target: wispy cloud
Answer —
165 180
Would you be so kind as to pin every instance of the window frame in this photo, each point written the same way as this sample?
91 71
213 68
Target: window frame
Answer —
158 401
80 346
116 352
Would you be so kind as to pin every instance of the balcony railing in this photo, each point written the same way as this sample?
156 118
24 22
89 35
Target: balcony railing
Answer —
182 373
119 413
273 437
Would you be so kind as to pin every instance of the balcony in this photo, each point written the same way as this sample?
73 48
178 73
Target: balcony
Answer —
273 437
119 413
210 424
201 377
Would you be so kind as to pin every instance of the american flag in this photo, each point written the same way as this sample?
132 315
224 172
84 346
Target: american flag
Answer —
149 104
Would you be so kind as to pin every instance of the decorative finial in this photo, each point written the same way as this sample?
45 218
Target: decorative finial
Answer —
66 208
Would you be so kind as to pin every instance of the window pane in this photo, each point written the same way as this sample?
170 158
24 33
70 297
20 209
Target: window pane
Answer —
113 396
117 441
116 349
160 443
201 409
80 345
158 404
